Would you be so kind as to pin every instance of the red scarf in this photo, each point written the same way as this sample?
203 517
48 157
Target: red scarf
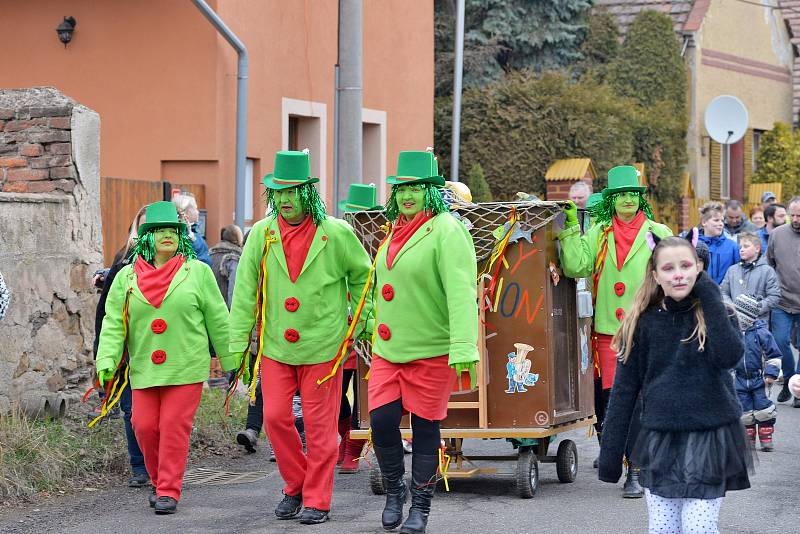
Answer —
152 282
296 242
625 234
403 230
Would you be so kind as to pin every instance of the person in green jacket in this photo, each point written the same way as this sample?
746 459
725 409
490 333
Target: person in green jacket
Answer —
614 254
293 278
160 312
427 325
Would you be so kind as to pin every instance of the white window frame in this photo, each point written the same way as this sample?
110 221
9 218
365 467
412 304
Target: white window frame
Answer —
725 171
377 116
308 108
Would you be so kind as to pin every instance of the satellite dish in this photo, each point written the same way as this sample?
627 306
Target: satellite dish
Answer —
726 119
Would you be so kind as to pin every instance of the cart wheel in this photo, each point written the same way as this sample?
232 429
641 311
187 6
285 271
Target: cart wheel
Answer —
567 461
376 481
527 473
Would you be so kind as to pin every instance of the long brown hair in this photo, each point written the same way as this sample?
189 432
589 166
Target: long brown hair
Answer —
133 231
650 294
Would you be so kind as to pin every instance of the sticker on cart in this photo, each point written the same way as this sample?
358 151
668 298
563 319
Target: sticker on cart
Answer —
584 349
541 418
518 370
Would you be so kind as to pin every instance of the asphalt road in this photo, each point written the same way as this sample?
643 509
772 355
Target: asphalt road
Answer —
480 505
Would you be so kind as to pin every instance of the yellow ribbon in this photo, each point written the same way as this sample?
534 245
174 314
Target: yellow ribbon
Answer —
444 465
253 379
114 394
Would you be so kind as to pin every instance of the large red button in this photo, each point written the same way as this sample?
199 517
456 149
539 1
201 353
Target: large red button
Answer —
620 313
384 332
291 304
158 357
291 335
619 289
158 326
388 292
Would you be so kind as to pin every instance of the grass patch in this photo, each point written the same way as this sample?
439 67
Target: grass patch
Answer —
41 457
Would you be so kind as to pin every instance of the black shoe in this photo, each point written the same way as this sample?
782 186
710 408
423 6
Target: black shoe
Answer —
423 483
138 480
784 395
152 498
312 516
289 506
596 463
390 460
796 403
166 505
632 489
248 439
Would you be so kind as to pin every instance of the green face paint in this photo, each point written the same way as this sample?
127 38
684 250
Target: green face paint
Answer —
626 204
287 201
410 200
166 240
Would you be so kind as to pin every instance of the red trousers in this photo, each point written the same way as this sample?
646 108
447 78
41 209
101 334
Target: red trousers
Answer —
167 410
309 474
608 360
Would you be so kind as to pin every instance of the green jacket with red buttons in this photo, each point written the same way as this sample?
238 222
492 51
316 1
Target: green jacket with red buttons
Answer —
168 345
306 320
426 304
617 286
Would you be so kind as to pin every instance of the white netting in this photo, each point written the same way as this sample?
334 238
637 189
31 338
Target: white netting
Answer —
480 219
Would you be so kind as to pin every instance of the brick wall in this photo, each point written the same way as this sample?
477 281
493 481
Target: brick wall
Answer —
36 149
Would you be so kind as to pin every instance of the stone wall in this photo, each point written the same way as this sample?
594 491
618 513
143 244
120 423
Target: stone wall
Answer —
50 244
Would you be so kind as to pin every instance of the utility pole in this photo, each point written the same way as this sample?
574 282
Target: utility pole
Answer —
348 142
458 69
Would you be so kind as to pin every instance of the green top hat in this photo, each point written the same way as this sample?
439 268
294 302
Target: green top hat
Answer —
360 197
417 167
623 178
292 168
593 200
161 214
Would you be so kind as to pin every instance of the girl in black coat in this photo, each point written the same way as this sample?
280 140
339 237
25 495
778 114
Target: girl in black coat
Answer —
677 346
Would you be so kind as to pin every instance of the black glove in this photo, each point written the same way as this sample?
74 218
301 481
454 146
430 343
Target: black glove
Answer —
705 287
609 471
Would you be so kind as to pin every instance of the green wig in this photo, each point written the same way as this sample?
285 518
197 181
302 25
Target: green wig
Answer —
433 201
146 246
309 200
603 211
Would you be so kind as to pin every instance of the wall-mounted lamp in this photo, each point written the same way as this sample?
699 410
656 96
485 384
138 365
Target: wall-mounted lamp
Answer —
65 29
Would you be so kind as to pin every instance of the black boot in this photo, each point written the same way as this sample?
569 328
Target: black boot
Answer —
632 489
390 460
423 482
596 463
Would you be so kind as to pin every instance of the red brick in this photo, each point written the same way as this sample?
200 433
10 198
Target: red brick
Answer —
15 187
60 148
52 136
15 175
15 126
45 162
31 150
13 162
41 187
63 172
61 123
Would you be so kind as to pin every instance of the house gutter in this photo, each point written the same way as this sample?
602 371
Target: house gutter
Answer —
241 104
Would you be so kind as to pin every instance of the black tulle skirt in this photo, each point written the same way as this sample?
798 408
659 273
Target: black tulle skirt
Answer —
700 464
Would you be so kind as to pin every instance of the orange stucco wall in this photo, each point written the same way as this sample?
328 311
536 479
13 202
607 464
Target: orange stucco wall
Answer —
164 82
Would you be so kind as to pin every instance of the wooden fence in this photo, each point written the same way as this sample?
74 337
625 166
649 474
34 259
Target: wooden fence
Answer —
120 199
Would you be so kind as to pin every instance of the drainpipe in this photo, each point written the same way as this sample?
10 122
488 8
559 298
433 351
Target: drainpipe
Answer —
458 69
348 132
241 105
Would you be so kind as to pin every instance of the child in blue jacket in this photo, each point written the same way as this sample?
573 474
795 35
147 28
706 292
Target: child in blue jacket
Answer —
754 372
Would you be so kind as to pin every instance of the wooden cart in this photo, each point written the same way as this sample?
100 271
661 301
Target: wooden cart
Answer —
535 376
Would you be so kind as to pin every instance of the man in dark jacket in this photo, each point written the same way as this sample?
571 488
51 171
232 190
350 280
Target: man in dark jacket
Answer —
225 258
735 221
